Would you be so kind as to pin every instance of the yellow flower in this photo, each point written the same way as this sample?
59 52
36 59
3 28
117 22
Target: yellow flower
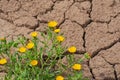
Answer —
34 62
3 61
1 39
22 49
52 24
30 45
72 49
60 38
34 34
77 67
59 78
57 30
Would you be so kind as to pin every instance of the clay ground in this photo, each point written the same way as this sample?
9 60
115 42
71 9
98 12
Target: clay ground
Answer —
91 25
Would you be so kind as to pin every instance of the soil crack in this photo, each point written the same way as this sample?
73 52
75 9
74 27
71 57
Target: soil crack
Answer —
113 65
104 48
90 8
65 15
116 78
50 9
91 70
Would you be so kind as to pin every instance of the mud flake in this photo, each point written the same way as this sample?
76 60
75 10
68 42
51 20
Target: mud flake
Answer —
73 35
29 22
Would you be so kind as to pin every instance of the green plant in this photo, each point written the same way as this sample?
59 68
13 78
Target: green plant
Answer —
33 62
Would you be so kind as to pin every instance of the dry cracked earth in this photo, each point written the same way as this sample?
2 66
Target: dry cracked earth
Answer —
91 25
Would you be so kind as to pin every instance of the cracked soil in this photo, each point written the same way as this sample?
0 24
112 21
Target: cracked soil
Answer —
91 25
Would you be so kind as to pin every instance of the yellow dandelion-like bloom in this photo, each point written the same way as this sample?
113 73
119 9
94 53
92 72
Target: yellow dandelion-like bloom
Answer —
3 61
34 34
72 49
60 38
57 30
22 49
34 62
77 67
30 45
1 39
59 78
52 24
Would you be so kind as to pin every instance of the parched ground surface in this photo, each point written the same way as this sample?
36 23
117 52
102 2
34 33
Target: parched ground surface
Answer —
91 25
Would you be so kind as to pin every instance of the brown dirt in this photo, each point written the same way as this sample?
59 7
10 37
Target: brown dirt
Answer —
91 25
